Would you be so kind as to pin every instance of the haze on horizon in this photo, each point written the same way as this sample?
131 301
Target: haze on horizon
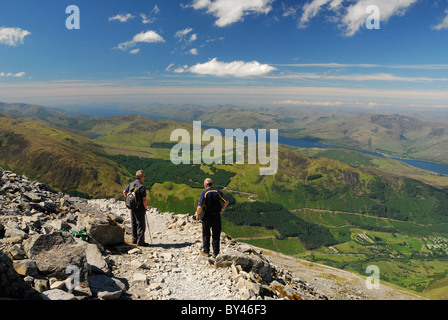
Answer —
315 53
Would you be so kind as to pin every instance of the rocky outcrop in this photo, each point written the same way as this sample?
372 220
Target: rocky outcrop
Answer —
11 284
53 252
247 262
36 235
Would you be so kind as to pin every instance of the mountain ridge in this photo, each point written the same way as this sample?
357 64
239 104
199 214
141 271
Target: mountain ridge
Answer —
395 134
64 160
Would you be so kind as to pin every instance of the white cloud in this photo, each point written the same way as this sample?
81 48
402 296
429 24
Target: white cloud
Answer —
311 9
142 37
443 24
289 11
146 19
353 16
148 36
193 37
231 11
185 40
134 51
181 69
150 18
201 4
20 74
309 103
169 67
356 14
182 33
13 75
122 17
358 77
156 10
12 36
365 65
335 4
224 69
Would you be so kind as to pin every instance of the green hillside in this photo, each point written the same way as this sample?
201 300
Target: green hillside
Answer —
333 207
60 159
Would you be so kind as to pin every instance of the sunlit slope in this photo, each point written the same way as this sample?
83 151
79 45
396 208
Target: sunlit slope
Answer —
64 161
132 131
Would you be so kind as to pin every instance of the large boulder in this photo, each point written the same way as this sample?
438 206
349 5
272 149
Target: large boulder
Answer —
101 227
11 284
57 294
97 262
106 288
247 262
54 252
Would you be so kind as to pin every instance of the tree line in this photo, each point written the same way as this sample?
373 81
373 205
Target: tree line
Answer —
274 216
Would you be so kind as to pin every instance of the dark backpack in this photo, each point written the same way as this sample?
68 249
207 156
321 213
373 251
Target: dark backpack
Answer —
133 198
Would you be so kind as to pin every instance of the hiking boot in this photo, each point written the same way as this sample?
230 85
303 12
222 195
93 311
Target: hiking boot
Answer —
144 244
206 254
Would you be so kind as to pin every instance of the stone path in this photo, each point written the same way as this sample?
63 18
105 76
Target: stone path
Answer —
172 267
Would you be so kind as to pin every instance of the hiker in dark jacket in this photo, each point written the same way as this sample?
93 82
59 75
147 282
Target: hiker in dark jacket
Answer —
212 202
138 215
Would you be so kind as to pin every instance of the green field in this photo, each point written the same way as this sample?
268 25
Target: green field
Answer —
403 258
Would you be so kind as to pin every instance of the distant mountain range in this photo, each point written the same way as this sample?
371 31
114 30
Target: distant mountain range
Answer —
394 134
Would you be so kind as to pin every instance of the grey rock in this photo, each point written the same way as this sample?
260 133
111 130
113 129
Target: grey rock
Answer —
26 267
248 262
109 295
41 285
33 197
54 252
102 228
105 286
58 285
11 284
140 278
57 294
15 235
15 252
97 262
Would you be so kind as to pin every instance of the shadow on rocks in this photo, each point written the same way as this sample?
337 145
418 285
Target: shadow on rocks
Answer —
172 245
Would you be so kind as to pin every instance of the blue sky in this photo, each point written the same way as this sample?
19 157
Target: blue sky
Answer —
244 52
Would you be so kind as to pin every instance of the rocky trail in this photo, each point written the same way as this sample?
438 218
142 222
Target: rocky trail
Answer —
43 258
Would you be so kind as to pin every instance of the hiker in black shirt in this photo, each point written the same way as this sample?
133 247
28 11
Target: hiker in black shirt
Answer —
138 215
212 202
